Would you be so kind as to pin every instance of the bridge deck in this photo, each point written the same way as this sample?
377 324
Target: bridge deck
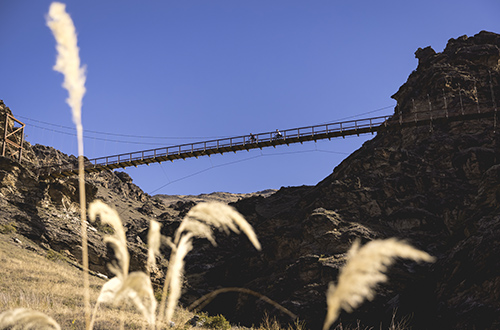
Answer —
262 140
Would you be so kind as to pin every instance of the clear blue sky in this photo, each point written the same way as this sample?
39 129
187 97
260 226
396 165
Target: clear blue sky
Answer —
183 71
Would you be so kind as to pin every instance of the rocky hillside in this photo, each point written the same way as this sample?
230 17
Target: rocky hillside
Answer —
435 185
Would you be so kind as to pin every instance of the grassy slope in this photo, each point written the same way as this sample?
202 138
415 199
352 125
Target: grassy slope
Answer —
45 282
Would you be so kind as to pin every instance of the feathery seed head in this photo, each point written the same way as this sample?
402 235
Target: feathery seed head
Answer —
364 269
223 217
109 290
118 241
68 62
198 222
174 274
26 319
137 287
154 242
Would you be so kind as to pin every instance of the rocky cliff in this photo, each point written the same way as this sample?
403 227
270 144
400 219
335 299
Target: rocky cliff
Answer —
435 185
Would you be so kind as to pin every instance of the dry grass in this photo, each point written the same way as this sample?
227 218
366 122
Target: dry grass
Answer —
53 287
30 280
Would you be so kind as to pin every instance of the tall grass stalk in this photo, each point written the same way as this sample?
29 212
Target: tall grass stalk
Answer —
25 319
198 222
364 269
135 287
68 63
154 242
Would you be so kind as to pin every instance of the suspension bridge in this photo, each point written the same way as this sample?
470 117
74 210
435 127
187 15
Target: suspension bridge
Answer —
272 139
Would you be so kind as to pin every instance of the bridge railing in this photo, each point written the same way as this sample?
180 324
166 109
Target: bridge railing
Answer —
457 110
243 141
266 139
289 135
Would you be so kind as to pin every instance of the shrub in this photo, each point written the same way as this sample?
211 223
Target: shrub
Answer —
53 255
218 322
8 228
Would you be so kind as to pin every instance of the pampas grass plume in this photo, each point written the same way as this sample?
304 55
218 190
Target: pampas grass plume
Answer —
68 59
118 241
223 217
364 269
109 290
106 296
68 63
198 222
137 287
26 319
173 278
154 242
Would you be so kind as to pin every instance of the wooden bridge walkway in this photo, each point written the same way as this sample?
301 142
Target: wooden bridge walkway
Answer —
268 139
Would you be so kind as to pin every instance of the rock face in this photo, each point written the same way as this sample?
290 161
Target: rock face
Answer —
435 185
47 212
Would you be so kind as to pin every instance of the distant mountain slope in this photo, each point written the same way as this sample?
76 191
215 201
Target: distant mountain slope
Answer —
223 197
